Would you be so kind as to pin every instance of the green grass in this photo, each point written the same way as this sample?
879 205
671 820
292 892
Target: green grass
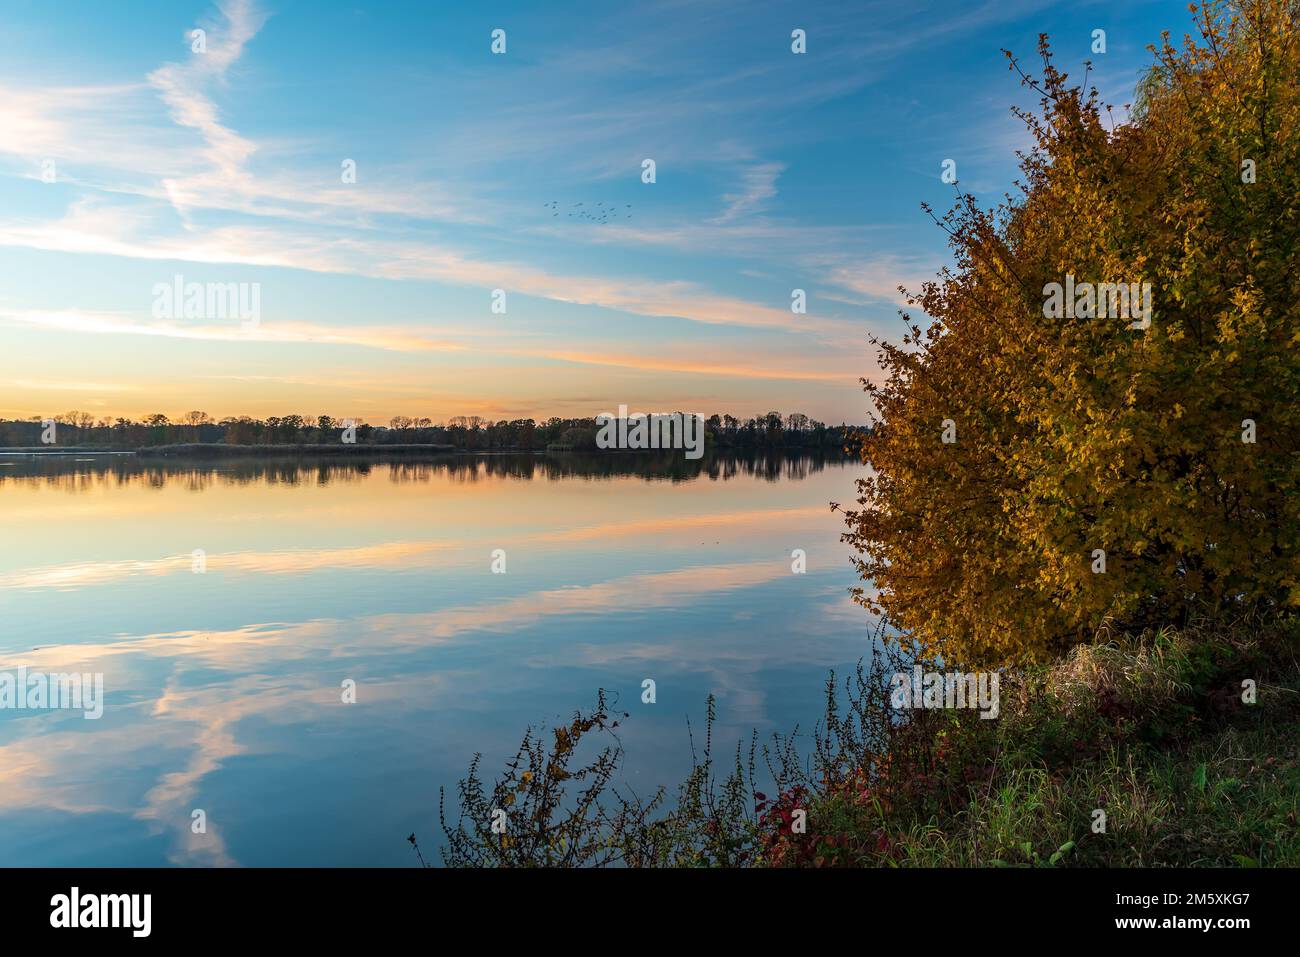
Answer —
1228 799
1150 730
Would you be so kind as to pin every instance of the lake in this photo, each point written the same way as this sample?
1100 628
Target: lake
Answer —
226 604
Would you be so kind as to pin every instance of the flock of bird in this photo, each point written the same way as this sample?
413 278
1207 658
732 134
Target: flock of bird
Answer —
600 213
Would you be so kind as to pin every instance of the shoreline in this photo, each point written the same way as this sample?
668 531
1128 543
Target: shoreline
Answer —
221 450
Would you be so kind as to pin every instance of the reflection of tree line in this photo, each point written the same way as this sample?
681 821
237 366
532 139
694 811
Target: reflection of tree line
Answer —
73 476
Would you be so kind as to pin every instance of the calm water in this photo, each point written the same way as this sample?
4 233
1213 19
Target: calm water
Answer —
223 688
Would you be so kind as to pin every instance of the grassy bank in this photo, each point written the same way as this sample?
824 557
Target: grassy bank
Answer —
1150 730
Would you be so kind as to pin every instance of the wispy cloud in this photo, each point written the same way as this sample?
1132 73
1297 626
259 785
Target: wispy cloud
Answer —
758 185
374 337
94 228
183 86
741 364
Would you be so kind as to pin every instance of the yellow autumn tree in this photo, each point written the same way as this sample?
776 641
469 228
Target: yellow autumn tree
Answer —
1047 456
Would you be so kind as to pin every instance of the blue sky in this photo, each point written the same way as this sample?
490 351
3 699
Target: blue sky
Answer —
774 171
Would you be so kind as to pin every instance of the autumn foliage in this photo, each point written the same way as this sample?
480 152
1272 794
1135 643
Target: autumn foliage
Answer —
1069 437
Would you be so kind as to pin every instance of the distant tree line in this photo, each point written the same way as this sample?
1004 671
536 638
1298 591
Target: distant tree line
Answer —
470 433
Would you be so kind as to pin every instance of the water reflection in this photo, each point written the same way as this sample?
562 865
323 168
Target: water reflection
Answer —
223 686
72 472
